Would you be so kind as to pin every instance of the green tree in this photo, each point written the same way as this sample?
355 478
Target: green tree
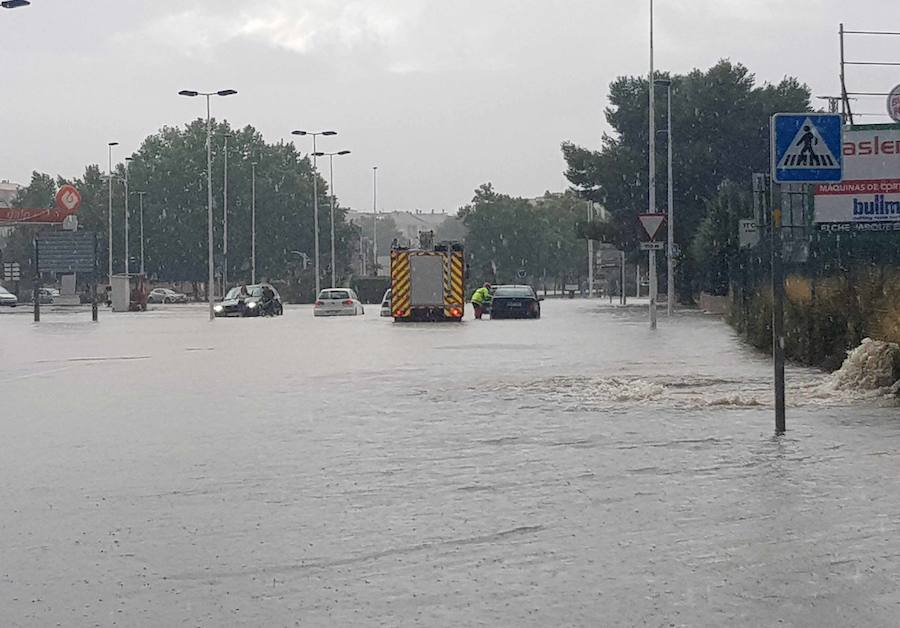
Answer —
507 234
715 247
721 132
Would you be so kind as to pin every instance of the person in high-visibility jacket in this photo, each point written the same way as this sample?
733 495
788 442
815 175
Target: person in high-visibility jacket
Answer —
481 299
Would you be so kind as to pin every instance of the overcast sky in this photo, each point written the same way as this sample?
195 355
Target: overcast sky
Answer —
442 96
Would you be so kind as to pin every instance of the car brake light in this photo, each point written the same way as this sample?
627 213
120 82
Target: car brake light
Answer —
319 303
398 312
455 312
348 302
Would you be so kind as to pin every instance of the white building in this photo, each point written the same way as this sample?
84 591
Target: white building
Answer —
8 192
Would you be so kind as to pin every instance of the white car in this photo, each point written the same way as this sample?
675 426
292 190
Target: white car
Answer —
166 295
338 302
386 304
8 298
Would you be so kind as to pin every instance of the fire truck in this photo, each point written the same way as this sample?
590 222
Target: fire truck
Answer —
427 281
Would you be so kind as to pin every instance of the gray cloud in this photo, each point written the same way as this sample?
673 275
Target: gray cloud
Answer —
442 96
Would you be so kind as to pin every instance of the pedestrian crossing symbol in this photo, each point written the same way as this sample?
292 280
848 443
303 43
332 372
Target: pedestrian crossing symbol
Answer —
806 148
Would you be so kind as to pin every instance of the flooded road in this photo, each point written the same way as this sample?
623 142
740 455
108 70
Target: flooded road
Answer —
579 470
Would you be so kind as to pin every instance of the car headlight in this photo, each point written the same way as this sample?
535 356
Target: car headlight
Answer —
252 304
217 308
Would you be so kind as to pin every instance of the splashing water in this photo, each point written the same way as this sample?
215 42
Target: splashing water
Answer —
871 366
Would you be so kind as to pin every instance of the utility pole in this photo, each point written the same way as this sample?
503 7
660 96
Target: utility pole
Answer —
652 167
127 261
141 203
253 222
670 230
110 226
375 220
225 221
590 252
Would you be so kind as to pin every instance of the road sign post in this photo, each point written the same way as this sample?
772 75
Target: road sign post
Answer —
805 148
652 224
36 284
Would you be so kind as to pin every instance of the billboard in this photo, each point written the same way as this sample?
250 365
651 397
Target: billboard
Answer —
66 252
868 198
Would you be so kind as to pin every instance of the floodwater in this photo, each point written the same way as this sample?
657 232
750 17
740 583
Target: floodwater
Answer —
579 470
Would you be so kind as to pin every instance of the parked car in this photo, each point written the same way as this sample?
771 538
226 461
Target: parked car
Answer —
386 304
7 298
338 302
166 295
46 295
515 302
238 302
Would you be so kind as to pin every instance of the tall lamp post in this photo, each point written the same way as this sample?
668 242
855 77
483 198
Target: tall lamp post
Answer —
375 221
315 176
109 146
210 287
652 168
128 161
331 186
141 206
225 219
670 218
253 222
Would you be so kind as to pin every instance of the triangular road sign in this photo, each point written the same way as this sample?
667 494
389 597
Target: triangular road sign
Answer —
808 150
652 223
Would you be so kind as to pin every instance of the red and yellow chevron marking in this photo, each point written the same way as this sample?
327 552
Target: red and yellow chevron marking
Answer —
454 291
400 284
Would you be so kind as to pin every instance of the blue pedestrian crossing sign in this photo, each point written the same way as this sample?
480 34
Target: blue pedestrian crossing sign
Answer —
807 148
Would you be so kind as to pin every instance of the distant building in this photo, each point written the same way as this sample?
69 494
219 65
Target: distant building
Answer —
8 193
409 223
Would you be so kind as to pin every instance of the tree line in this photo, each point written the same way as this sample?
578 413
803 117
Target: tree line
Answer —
170 168
720 126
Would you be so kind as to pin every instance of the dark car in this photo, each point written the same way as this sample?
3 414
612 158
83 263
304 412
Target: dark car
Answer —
250 303
515 302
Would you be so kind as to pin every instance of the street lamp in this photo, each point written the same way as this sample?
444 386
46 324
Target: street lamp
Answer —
670 238
652 173
209 199
331 185
14 4
141 202
315 197
128 161
109 146
253 222
375 221
225 219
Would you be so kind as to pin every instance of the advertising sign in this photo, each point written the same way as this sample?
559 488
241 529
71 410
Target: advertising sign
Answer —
868 198
893 104
66 252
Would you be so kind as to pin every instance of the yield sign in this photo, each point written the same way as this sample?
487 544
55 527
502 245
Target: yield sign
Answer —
652 223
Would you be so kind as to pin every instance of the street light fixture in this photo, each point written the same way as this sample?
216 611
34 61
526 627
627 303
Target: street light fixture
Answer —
109 146
652 171
670 238
128 161
315 177
253 165
141 201
225 218
14 4
375 221
210 287
331 186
